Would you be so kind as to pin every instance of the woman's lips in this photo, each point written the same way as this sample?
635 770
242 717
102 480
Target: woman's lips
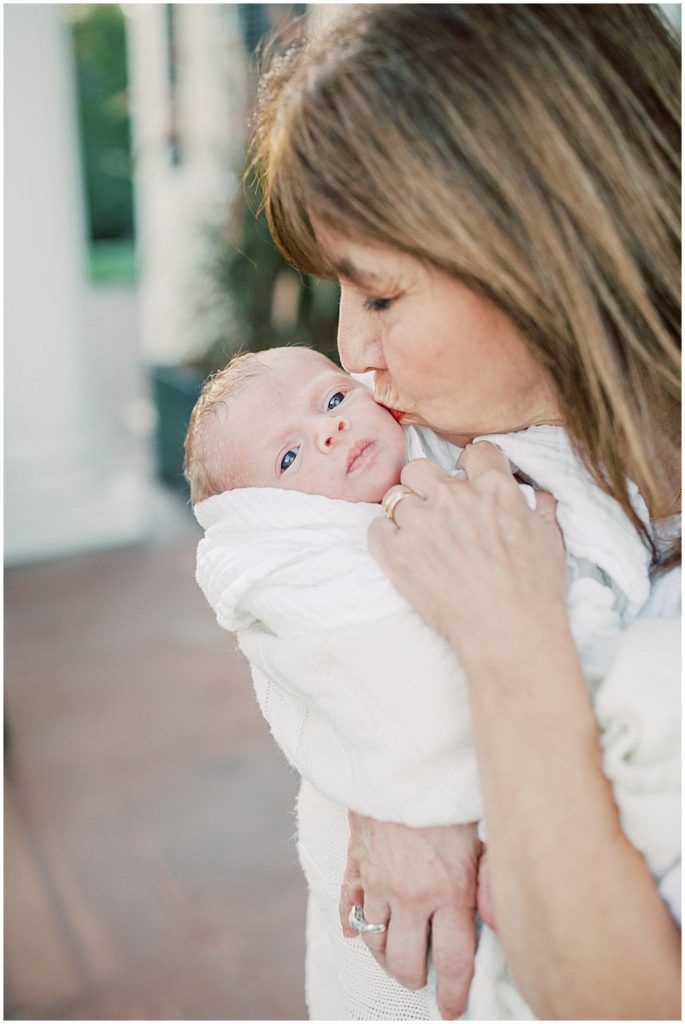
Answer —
385 394
397 413
357 454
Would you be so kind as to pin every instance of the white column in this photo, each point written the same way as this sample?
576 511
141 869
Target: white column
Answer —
61 493
175 203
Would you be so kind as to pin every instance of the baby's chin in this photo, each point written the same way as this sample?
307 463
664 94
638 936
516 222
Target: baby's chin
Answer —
384 475
376 490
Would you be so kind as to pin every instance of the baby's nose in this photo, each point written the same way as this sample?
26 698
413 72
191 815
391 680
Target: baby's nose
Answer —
331 432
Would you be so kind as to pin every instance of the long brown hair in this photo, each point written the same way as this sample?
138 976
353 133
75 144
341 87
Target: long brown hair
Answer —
532 151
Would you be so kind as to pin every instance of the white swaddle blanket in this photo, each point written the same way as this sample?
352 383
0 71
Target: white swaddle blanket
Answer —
366 701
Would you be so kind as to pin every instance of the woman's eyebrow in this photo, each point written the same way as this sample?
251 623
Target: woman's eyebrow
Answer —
346 269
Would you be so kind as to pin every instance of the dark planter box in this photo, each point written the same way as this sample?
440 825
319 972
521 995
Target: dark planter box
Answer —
175 389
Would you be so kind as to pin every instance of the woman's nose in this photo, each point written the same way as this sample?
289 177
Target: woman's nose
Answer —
358 340
330 432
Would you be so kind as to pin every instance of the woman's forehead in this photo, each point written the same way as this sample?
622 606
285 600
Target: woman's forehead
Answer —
361 261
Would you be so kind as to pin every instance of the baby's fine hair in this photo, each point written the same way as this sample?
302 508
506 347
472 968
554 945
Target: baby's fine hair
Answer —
201 465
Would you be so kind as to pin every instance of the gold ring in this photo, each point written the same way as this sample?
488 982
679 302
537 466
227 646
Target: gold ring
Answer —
392 500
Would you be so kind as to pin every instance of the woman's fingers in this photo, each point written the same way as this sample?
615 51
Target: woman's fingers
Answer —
425 481
486 907
546 508
483 457
481 464
376 911
423 476
406 947
410 876
453 946
351 894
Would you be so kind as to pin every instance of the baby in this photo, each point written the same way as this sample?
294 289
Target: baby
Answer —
287 457
290 418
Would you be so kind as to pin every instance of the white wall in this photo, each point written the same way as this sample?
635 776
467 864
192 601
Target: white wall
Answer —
62 494
674 14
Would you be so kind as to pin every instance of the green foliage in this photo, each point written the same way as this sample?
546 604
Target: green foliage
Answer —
246 296
251 298
260 301
101 74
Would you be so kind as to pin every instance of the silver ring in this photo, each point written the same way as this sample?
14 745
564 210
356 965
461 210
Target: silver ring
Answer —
392 500
361 925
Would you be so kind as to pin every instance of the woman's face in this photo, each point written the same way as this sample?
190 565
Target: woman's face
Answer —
443 356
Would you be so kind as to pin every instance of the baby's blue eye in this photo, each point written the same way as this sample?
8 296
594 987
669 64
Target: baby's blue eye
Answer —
335 399
288 459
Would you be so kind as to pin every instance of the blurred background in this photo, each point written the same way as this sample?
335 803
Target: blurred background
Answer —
150 862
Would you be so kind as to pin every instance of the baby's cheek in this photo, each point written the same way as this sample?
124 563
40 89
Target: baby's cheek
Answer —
328 482
385 478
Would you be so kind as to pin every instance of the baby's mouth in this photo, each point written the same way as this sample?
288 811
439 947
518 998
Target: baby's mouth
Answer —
357 453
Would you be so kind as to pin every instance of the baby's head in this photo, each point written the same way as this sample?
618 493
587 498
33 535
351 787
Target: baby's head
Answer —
290 418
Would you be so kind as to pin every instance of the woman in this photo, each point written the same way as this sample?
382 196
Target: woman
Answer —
496 189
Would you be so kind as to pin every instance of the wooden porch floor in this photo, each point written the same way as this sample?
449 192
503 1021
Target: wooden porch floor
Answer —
150 864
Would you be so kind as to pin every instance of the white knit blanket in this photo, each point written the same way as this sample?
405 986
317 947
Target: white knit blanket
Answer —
368 703
378 712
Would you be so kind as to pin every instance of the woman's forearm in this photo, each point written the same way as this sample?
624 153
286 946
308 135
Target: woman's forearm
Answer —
583 927
585 932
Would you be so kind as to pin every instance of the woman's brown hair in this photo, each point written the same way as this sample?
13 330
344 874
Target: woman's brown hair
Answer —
532 151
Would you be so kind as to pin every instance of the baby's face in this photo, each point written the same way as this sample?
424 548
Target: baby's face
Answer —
305 425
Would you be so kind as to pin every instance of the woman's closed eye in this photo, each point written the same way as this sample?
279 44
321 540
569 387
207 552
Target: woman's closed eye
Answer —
288 459
376 304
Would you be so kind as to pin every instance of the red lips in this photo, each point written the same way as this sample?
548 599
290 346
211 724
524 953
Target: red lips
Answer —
396 413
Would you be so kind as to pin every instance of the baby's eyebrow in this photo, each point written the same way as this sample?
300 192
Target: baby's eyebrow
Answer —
327 380
314 393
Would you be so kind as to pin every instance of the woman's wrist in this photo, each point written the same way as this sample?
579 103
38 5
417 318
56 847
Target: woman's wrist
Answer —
568 887
499 652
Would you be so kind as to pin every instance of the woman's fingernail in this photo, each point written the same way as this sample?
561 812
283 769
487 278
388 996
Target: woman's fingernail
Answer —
458 474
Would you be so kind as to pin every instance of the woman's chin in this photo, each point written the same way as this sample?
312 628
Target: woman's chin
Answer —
460 440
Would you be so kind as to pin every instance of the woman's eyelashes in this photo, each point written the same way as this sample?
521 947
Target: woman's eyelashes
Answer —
375 304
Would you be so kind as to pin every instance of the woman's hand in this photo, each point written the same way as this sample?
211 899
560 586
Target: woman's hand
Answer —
423 883
471 556
583 928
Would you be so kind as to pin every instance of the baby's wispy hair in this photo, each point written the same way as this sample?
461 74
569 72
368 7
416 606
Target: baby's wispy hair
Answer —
203 467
